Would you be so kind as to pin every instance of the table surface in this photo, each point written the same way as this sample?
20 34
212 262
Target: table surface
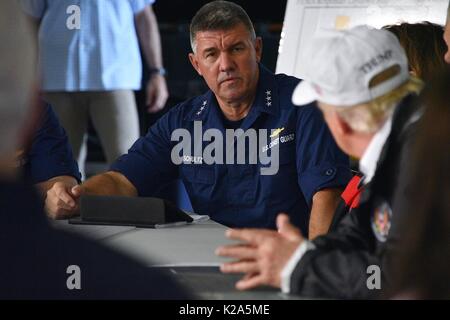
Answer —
181 246
185 251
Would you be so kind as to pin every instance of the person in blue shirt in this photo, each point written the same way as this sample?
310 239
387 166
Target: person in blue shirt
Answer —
49 158
91 63
243 94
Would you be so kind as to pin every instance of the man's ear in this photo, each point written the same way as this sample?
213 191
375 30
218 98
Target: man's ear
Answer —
194 62
258 48
342 126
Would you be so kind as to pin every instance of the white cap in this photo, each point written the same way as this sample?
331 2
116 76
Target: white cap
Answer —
340 64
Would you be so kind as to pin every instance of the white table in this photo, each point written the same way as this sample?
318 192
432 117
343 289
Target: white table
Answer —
186 251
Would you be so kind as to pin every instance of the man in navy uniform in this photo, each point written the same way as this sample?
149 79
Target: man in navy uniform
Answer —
243 95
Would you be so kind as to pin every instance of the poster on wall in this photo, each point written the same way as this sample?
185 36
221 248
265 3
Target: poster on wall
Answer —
304 18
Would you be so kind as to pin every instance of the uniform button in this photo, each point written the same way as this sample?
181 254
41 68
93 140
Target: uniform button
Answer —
329 172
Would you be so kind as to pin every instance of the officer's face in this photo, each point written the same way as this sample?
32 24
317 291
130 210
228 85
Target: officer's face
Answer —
447 40
228 61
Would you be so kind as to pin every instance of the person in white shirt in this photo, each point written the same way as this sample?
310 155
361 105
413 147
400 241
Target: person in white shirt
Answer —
91 68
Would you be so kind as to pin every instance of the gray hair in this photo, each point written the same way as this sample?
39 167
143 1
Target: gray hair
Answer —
17 65
219 15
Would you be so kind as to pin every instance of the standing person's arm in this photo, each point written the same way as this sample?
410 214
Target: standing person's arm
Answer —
148 32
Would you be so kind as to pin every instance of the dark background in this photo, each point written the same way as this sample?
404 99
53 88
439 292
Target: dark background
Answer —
181 11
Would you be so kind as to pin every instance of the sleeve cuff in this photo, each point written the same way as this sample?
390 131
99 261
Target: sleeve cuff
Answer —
45 168
286 273
323 177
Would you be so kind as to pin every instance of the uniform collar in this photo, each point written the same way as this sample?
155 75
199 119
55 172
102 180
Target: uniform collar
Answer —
266 100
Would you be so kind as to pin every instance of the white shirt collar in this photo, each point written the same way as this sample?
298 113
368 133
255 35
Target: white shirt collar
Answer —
369 160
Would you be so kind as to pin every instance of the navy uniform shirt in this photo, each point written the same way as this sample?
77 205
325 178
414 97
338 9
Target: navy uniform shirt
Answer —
50 154
238 195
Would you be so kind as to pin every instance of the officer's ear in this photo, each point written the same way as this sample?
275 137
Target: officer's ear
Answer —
194 61
258 48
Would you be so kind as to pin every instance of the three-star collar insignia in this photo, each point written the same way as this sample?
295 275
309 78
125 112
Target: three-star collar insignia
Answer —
268 98
204 104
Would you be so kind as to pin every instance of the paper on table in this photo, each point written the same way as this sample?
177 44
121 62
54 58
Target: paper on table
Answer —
197 218
170 224
189 264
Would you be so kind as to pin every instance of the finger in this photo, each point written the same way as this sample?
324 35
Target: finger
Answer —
239 251
151 100
152 109
151 103
64 198
150 95
162 98
77 191
282 218
252 236
158 104
286 228
242 266
252 282
250 275
60 204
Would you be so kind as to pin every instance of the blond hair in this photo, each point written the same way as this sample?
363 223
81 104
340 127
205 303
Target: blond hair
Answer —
368 117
